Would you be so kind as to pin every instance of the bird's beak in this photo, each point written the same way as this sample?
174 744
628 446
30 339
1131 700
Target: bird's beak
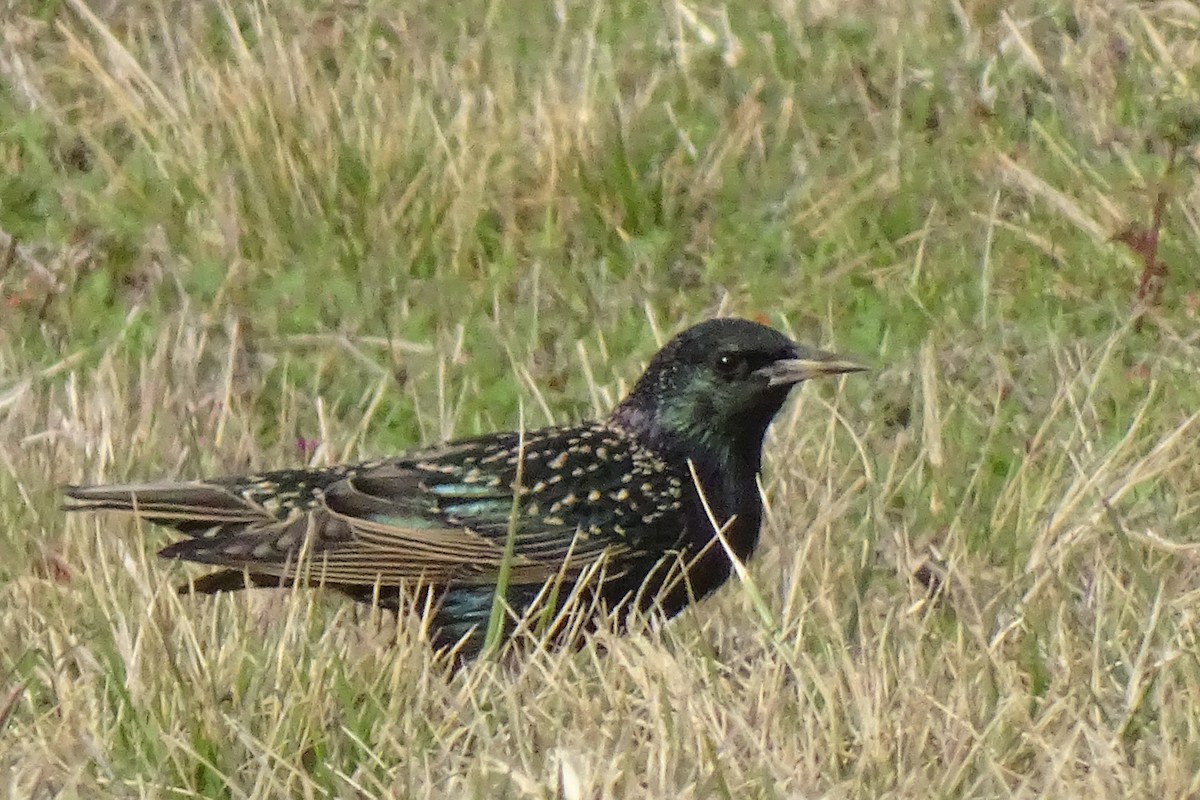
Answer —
806 364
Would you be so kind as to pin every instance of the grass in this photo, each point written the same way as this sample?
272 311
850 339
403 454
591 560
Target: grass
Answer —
259 234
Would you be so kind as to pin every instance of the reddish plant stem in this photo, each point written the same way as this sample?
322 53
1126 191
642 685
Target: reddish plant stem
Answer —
1154 272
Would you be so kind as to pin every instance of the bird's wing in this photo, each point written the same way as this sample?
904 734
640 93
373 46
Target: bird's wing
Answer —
443 515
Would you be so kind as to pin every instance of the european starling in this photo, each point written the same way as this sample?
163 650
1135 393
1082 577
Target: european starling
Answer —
607 510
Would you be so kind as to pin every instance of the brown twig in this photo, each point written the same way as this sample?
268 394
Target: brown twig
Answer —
10 257
1144 242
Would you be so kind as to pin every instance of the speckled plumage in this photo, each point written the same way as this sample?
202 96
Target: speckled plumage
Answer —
608 508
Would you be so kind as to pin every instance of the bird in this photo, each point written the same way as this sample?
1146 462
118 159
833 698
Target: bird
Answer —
643 510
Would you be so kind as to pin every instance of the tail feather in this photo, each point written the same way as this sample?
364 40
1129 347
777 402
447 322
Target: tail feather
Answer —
194 509
257 546
195 496
231 580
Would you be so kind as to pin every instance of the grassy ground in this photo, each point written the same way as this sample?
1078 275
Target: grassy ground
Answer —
264 233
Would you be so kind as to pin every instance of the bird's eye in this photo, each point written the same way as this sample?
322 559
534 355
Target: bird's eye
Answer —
729 365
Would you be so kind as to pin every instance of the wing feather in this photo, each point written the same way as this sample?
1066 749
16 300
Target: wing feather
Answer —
441 516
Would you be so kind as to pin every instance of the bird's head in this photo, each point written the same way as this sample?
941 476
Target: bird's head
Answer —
716 386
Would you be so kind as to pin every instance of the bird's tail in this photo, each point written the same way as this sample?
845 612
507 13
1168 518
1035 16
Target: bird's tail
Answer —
195 509
224 527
